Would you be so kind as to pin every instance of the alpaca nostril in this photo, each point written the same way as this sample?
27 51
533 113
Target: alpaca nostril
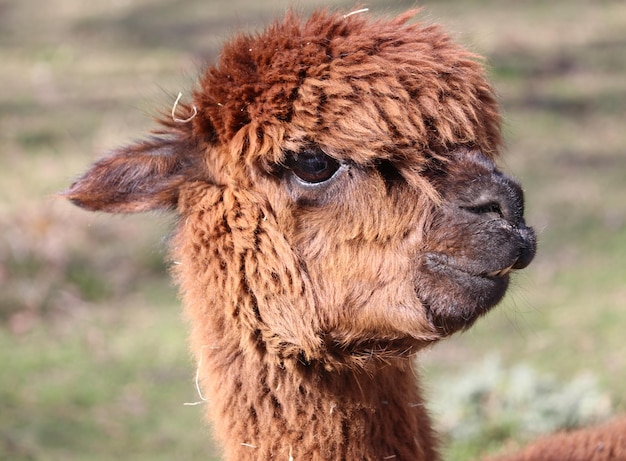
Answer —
492 208
497 197
528 247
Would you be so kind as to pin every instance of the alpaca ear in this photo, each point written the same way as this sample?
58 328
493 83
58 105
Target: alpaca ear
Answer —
141 177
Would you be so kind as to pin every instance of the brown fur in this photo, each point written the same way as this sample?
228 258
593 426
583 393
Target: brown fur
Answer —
602 443
308 298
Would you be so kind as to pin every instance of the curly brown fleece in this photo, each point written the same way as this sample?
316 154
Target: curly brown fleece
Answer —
339 210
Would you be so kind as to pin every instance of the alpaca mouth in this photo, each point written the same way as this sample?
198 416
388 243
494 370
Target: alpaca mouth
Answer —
455 295
442 264
501 272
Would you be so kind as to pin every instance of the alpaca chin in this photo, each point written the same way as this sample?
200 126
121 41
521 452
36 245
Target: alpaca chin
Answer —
449 312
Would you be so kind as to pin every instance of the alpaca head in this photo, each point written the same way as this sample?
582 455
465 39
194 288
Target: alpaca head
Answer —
336 188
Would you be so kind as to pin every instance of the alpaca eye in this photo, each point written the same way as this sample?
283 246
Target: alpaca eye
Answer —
312 166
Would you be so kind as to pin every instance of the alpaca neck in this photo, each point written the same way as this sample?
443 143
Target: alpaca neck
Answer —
262 411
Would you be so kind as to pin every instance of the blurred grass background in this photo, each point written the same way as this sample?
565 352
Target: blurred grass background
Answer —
92 346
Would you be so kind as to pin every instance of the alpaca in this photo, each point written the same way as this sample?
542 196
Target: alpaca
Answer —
602 443
339 209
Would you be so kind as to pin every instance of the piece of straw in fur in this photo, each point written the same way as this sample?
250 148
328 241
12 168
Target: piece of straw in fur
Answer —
182 120
197 379
362 10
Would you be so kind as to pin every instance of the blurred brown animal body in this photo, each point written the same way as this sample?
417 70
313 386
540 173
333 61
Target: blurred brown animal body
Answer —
603 443
339 209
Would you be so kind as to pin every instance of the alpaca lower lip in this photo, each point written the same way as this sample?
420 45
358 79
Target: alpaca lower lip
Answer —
456 297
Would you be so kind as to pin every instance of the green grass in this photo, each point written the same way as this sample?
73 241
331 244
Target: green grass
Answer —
108 388
91 339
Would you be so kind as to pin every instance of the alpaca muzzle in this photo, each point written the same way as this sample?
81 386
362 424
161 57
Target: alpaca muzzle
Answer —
479 238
